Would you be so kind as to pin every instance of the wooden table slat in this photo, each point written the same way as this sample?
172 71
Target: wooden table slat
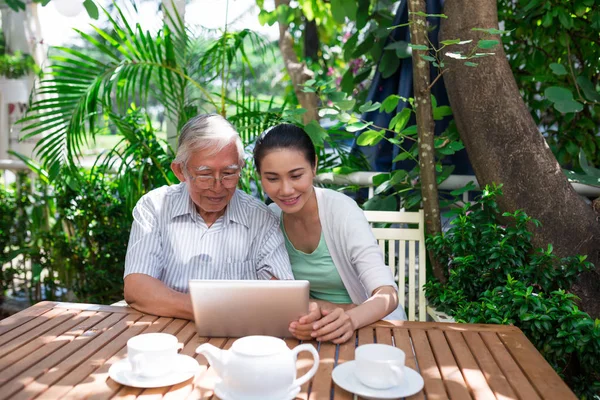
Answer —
322 383
126 392
514 375
345 354
403 342
205 381
64 350
538 371
48 357
451 374
182 390
100 386
32 329
473 376
60 379
18 319
27 355
434 386
494 376
303 364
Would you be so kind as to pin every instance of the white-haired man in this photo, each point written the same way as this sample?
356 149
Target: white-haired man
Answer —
202 228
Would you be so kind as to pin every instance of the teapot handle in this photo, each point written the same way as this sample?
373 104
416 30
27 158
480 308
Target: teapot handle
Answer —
311 349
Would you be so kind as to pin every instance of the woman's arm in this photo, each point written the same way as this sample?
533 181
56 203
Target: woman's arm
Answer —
339 324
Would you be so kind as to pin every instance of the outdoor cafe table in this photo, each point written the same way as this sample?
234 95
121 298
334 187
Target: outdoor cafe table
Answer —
64 350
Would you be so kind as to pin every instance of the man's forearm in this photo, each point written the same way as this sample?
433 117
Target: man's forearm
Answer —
151 296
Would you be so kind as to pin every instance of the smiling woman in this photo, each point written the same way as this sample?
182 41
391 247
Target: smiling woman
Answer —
328 240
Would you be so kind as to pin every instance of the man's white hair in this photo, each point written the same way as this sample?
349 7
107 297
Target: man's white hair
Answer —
207 131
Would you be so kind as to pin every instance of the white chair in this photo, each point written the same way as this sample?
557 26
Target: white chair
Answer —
407 232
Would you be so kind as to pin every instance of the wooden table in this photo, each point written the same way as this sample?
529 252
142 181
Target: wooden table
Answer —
64 350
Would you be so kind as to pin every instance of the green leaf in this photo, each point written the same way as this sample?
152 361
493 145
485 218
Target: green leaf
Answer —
418 46
400 47
369 106
531 5
91 9
427 58
338 11
558 69
562 99
441 112
390 103
266 17
589 91
327 111
487 43
403 155
381 203
347 83
346 105
471 64
491 31
389 64
585 166
565 19
422 14
369 138
450 41
467 188
358 126
350 7
316 133
400 120
410 131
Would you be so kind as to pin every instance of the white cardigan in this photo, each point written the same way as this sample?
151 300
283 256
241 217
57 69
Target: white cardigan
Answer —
352 246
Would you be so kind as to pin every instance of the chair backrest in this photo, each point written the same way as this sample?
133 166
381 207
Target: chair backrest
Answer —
405 234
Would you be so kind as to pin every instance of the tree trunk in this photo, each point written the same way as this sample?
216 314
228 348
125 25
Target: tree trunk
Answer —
425 127
505 146
297 70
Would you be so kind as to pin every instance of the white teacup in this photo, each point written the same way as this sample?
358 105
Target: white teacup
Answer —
152 354
379 366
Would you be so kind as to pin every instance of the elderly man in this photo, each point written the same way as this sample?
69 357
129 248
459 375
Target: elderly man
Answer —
201 228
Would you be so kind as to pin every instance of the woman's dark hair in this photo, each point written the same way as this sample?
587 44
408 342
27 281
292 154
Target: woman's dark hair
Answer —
284 136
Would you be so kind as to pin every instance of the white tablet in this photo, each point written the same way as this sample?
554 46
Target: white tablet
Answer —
236 308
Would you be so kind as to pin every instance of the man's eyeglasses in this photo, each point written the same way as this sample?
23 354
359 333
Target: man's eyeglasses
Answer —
208 181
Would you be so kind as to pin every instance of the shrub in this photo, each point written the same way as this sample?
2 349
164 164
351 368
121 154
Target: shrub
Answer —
495 276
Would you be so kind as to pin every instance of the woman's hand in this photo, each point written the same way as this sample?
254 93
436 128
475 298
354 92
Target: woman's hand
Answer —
336 326
303 328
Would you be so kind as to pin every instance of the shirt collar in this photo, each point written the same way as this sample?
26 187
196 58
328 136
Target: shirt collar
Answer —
183 205
234 211
182 202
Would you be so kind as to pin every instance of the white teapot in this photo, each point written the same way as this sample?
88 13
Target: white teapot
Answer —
258 367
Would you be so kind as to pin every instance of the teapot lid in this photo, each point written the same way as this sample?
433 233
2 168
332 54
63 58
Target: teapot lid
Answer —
259 345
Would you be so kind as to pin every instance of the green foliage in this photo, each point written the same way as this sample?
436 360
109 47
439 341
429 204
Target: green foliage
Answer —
94 242
7 214
553 50
590 175
495 276
14 66
19 5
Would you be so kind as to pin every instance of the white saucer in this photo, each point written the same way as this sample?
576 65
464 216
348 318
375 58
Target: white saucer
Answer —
224 395
343 376
185 368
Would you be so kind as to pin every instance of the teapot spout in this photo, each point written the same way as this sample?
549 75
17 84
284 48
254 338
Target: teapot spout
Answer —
215 356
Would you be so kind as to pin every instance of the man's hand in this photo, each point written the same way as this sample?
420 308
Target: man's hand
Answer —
336 326
303 328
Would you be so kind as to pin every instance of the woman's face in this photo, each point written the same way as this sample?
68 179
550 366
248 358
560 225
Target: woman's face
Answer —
287 178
